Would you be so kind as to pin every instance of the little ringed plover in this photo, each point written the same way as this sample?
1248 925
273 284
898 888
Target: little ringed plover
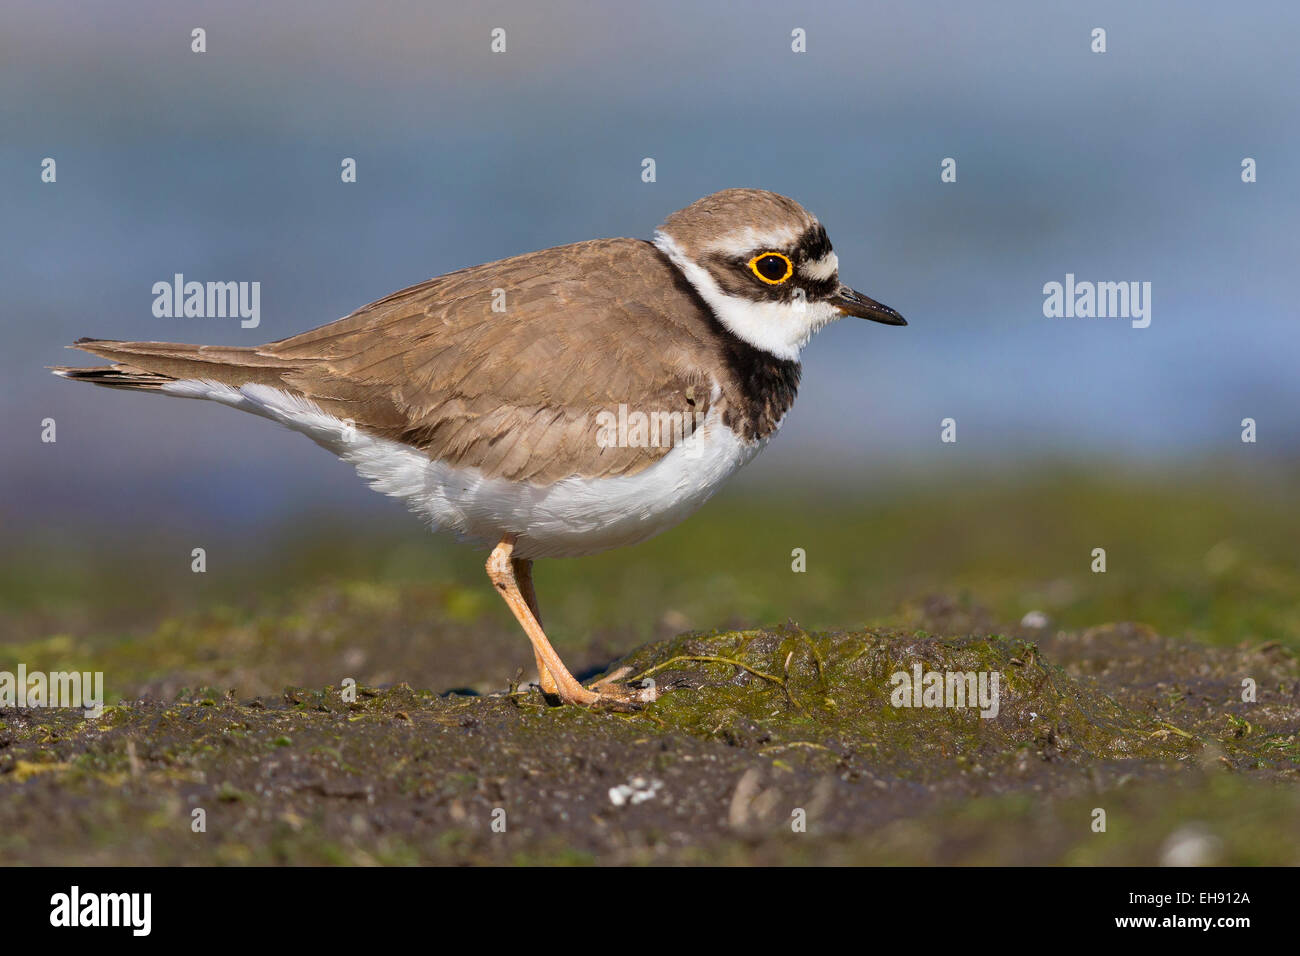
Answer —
487 398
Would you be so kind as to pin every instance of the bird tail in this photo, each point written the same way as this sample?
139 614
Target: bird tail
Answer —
148 366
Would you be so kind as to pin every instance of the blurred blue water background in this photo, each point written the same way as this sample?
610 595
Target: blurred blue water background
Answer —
225 166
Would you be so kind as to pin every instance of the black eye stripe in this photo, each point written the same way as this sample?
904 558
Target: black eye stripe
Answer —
736 278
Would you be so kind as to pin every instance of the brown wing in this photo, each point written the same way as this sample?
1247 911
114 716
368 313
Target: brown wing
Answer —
585 328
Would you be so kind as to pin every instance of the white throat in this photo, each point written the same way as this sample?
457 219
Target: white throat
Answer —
778 328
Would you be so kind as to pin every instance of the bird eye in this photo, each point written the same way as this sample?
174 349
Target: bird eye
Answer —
772 267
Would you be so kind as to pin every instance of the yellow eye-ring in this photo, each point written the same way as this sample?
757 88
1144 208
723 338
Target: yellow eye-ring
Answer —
772 267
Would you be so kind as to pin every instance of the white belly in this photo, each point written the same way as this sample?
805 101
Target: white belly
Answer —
572 517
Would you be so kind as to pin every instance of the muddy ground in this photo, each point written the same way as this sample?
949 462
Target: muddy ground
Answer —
770 745
767 744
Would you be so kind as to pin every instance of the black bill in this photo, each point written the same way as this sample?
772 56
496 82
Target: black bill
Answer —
864 307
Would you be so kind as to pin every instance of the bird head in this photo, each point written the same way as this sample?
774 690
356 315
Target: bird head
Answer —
765 267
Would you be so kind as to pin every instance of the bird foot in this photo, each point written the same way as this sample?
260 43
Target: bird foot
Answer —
614 694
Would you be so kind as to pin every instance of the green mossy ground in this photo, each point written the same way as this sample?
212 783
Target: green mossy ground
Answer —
755 726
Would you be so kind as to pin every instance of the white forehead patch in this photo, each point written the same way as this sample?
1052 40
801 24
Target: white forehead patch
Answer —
744 242
821 269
